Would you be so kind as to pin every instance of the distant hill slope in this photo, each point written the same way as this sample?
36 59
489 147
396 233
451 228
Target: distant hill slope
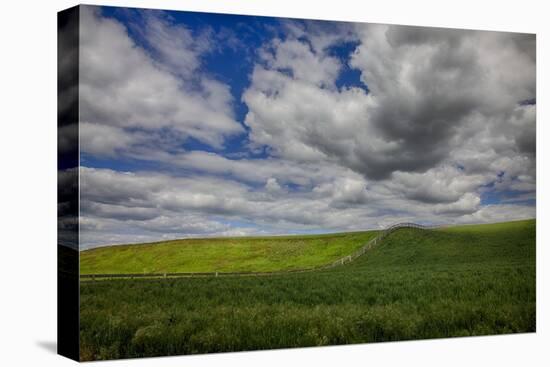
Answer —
502 243
223 254
450 245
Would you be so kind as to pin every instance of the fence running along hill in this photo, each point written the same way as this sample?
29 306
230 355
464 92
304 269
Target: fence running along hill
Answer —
373 242
341 261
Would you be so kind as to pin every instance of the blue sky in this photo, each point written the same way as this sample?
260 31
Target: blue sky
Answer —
196 124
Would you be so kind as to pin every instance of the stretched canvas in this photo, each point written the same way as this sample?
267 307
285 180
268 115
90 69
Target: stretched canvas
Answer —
235 183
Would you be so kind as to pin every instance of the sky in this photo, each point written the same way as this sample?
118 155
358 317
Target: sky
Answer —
198 125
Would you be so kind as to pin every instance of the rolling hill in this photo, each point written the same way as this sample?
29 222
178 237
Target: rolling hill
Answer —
261 254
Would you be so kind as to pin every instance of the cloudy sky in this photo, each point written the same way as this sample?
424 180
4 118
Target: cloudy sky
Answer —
197 125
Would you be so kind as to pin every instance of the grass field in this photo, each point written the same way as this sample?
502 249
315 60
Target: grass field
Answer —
223 254
470 280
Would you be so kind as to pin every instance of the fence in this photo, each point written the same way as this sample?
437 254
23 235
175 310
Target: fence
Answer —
341 261
373 242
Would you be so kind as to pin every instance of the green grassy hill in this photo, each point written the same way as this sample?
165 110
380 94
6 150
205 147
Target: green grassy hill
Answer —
223 254
469 280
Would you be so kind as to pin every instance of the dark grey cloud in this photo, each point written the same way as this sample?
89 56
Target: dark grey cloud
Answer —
436 80
432 91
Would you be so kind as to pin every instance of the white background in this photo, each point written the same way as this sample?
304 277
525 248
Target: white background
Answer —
28 183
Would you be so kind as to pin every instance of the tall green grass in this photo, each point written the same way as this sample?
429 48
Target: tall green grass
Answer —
475 280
